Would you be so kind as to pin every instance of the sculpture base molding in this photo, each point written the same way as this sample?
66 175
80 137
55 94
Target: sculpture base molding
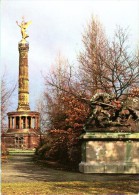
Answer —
109 168
116 153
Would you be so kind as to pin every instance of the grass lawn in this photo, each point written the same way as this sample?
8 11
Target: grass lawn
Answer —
16 151
67 188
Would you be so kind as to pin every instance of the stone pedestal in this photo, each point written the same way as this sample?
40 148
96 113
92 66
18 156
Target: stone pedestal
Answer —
106 152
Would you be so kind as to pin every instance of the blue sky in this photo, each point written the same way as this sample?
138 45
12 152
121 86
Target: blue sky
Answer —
57 26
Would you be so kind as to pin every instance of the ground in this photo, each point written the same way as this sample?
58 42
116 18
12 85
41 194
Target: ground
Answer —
22 176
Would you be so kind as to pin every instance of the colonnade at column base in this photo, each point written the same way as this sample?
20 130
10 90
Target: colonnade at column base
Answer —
23 120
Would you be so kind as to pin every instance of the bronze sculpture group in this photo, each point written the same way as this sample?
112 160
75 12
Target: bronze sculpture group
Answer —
110 114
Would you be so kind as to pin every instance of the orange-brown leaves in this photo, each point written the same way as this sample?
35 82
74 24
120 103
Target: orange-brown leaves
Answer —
135 92
76 112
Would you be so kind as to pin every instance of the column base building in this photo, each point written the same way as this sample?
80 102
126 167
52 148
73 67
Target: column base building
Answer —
23 130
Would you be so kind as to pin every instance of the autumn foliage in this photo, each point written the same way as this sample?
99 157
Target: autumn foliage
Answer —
76 112
64 145
134 92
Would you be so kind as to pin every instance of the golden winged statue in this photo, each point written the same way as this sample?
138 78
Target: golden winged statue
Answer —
24 25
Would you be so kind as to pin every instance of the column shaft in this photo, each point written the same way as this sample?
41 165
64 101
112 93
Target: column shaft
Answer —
10 122
36 126
26 124
15 122
23 95
19 122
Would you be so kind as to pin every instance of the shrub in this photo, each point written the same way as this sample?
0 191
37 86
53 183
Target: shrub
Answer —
4 150
61 146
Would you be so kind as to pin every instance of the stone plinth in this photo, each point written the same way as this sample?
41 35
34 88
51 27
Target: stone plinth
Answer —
21 140
110 153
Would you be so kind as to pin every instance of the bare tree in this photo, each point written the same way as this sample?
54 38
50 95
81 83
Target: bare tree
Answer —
95 43
57 83
41 108
121 72
107 66
64 99
6 93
